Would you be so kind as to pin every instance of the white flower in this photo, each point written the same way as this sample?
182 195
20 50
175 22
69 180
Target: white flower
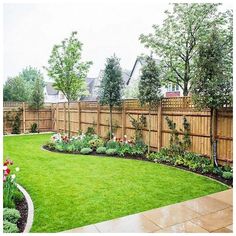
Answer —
13 176
4 167
17 169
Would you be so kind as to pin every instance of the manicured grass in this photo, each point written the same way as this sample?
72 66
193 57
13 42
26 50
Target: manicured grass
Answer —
70 191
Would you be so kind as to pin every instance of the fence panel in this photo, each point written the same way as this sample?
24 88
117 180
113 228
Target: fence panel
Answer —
54 117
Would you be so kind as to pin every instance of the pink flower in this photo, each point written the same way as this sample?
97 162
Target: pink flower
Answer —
4 178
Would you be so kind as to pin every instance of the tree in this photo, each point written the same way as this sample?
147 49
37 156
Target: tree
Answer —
186 26
110 90
212 84
19 88
37 97
150 89
68 71
15 89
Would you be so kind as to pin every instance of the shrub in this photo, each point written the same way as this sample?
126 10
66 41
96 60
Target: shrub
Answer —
10 214
112 144
227 175
33 128
95 143
124 149
178 147
86 151
9 227
17 195
90 131
50 145
101 150
111 151
138 149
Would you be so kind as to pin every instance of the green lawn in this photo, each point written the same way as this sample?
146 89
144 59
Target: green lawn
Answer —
70 191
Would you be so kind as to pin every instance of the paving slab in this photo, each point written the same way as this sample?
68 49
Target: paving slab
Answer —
212 213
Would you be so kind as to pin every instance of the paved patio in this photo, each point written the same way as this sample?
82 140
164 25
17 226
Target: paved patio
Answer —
212 213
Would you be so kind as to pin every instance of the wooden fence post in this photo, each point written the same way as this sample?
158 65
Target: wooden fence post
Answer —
23 108
52 117
57 112
123 120
64 117
79 117
98 118
159 120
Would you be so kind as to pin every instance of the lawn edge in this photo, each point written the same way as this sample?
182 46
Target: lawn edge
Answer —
30 217
175 167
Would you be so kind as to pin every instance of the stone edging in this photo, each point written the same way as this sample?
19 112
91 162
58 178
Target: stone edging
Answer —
30 204
25 134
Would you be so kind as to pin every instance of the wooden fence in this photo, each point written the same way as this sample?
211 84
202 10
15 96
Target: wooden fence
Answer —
91 114
27 116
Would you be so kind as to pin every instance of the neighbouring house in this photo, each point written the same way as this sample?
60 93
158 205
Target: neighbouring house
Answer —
97 81
131 90
52 95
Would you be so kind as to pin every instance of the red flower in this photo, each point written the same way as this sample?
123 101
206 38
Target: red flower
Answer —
5 163
7 172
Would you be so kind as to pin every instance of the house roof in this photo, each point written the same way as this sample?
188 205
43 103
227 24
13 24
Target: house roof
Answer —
142 62
90 85
50 89
125 75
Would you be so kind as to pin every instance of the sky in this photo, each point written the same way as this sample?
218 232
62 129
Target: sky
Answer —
104 27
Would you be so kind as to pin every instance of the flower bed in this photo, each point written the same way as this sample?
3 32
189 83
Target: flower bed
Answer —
15 206
91 143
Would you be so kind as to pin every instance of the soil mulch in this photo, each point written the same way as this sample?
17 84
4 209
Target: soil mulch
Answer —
143 158
22 207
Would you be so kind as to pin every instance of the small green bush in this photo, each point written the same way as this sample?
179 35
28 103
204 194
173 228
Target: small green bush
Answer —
227 175
17 195
112 144
111 151
95 143
50 145
33 128
101 150
9 227
10 214
86 151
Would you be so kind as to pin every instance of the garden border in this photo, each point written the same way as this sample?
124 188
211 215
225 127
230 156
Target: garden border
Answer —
183 169
30 217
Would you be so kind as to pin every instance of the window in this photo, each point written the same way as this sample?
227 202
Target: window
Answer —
172 87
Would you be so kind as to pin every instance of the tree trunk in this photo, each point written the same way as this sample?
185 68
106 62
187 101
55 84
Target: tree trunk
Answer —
185 90
213 137
38 120
110 122
68 118
149 128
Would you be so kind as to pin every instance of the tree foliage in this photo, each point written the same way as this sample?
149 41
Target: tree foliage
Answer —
212 85
111 86
15 89
150 88
186 26
150 83
68 71
19 88
37 96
